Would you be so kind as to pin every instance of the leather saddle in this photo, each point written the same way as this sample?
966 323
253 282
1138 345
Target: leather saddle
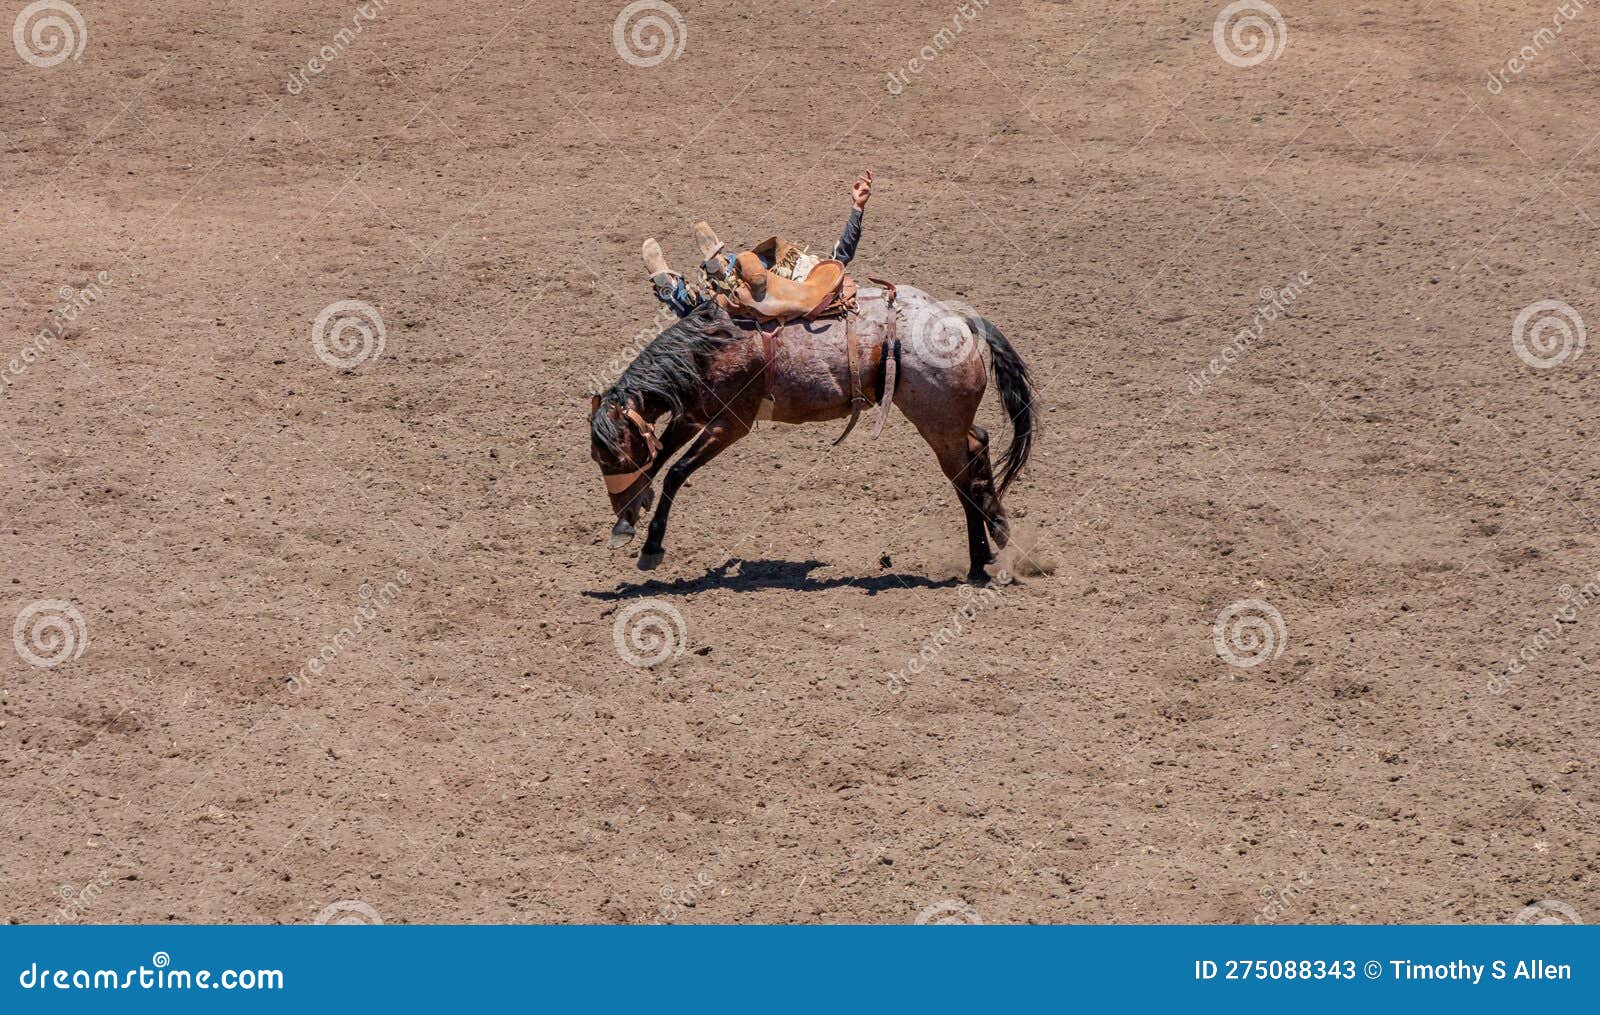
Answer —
769 296
754 290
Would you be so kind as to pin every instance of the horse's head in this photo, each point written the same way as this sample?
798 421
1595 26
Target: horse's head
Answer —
624 445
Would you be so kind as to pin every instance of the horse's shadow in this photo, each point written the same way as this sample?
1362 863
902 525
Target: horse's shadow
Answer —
769 574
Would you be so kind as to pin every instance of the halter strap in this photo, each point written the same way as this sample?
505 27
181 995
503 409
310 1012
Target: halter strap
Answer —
617 482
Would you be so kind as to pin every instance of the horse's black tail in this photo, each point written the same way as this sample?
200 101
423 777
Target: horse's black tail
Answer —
1016 394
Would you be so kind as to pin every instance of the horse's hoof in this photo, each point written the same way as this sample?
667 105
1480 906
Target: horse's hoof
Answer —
649 561
978 576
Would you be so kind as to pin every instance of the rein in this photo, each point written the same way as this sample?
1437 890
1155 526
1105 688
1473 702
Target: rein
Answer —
617 482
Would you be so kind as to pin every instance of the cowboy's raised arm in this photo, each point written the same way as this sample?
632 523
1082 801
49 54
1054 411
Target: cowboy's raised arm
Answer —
845 249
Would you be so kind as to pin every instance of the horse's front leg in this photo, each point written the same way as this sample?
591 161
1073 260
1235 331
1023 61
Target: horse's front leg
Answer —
719 434
677 434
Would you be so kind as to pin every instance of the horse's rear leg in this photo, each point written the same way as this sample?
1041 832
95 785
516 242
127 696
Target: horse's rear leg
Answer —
719 434
965 461
981 488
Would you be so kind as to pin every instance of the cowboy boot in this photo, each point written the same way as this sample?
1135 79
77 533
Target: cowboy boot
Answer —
662 278
712 260
707 241
654 261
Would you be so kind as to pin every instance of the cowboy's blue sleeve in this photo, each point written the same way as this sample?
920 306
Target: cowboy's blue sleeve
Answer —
845 249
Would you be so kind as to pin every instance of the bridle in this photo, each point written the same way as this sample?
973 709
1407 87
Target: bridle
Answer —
617 482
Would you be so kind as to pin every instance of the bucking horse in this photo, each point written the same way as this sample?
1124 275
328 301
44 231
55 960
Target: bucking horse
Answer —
713 376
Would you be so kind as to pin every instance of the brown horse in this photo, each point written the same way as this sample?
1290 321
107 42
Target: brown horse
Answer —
712 375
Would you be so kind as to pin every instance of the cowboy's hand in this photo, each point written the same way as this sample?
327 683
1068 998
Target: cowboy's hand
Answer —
862 189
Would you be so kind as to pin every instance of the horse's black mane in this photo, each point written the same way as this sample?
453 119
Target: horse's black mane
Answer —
670 370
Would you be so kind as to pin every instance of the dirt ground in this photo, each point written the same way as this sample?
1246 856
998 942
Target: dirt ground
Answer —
199 503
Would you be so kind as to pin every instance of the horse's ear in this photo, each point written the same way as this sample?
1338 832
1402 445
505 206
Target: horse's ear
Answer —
594 404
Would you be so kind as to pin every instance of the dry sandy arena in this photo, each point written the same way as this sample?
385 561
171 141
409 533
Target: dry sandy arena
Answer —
1269 297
